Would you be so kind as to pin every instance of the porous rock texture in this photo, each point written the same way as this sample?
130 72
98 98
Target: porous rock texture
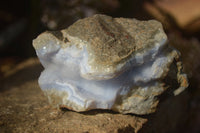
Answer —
102 62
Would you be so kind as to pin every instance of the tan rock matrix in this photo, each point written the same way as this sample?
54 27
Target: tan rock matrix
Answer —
102 62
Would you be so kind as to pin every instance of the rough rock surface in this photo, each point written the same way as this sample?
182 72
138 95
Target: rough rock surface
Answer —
109 63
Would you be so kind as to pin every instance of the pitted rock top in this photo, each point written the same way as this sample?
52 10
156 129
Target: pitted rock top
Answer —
111 40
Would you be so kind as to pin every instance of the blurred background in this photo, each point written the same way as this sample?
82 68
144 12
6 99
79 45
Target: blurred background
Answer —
23 20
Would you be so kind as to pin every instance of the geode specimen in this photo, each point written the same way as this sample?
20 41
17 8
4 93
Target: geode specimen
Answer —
102 62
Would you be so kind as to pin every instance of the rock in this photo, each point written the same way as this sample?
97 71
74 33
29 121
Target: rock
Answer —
102 62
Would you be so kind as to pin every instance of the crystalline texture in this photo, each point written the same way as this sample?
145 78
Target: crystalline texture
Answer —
108 63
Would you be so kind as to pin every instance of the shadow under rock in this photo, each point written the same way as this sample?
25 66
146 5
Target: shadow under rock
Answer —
128 129
92 112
